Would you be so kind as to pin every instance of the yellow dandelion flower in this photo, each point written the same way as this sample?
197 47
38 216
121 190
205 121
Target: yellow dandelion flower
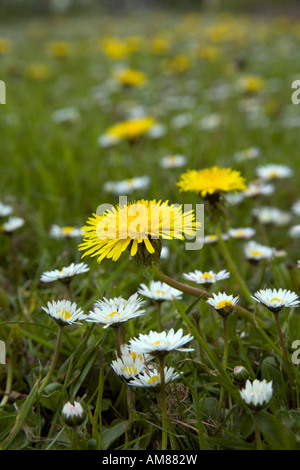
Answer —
137 226
60 49
38 71
131 77
131 129
114 48
5 46
251 84
211 181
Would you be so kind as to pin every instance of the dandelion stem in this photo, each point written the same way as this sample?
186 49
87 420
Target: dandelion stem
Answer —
164 424
195 292
285 358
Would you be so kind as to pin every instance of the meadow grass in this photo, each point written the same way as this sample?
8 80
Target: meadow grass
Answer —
55 173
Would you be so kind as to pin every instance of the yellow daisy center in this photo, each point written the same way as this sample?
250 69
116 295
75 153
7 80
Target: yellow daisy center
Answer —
67 230
256 253
129 370
160 292
208 276
153 379
65 315
111 315
225 304
275 299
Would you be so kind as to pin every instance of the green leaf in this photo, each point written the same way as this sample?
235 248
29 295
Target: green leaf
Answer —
110 435
277 435
51 396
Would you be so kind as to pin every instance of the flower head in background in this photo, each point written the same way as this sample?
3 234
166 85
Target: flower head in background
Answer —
113 312
65 232
241 233
159 291
296 208
65 274
212 181
276 299
64 312
66 115
256 252
151 378
272 215
173 161
138 227
127 186
274 171
206 278
160 344
294 231
130 77
127 130
5 210
247 154
12 224
258 189
223 304
257 394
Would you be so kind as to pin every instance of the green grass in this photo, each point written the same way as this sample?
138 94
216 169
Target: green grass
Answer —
54 173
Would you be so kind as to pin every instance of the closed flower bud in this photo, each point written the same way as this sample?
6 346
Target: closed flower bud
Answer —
240 374
73 414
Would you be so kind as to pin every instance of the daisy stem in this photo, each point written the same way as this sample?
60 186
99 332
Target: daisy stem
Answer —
119 330
285 358
98 412
225 357
74 439
159 323
232 266
54 361
164 424
258 438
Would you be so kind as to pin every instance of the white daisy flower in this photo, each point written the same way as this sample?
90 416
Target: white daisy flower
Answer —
160 343
233 199
274 171
182 120
224 304
65 232
258 189
165 252
298 264
173 161
296 207
114 311
108 140
66 115
129 366
151 378
159 291
5 210
210 122
247 154
73 413
156 131
12 224
127 186
246 232
275 299
65 273
255 251
294 231
64 312
209 277
272 215
257 394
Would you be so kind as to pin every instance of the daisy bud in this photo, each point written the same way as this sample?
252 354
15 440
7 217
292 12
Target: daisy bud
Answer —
73 414
240 374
